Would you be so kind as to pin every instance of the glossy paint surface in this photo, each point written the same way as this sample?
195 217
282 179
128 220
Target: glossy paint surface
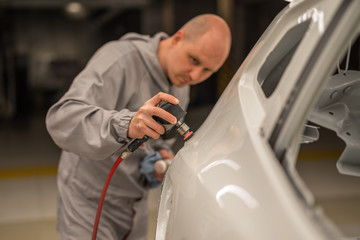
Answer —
227 182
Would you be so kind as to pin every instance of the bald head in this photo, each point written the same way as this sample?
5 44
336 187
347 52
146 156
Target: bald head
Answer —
201 24
196 50
214 29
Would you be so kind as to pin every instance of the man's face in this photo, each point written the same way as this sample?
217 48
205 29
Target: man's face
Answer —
193 61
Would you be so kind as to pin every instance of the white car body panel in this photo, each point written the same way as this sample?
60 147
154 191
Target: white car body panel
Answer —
227 181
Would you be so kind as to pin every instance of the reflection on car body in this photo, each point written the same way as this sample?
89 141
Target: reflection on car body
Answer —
237 178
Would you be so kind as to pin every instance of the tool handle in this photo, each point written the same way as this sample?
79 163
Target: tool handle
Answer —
137 143
173 109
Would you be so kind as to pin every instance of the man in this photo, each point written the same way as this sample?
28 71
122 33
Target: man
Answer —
112 101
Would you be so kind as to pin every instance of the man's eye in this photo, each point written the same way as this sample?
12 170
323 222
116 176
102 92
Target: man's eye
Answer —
194 60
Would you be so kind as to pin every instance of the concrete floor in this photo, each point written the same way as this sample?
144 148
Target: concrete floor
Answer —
28 181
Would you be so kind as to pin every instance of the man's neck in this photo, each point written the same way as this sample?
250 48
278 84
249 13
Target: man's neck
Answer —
162 52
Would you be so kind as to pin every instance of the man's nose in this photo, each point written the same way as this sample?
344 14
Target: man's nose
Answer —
195 74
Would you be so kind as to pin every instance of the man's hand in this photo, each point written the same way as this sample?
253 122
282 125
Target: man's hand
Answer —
142 123
147 167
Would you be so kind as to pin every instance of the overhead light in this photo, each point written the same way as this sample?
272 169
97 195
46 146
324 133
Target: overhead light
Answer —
76 10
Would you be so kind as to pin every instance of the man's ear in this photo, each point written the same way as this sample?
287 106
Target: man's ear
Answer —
178 36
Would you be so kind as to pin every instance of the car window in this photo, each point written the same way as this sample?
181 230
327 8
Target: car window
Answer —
325 172
330 164
277 61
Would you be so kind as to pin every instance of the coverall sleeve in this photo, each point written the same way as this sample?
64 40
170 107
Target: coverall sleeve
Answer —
83 120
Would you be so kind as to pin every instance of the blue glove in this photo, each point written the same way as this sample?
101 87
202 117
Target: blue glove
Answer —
147 168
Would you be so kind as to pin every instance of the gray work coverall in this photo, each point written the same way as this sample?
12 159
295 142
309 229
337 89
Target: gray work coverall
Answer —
90 122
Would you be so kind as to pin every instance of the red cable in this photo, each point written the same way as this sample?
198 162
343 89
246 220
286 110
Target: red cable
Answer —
102 197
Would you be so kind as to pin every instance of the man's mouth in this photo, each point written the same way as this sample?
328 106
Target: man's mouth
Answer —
184 80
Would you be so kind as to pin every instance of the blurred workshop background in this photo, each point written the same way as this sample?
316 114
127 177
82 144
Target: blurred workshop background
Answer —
44 44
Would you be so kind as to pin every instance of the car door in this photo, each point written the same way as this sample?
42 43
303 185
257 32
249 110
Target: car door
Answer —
229 180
